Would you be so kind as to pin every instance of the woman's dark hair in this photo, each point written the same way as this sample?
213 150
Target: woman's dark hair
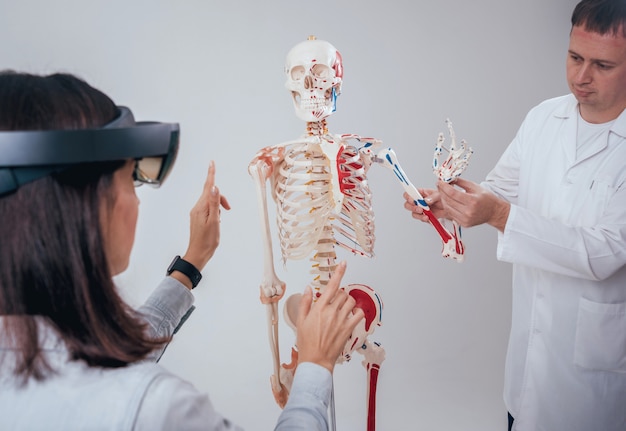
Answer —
601 16
52 257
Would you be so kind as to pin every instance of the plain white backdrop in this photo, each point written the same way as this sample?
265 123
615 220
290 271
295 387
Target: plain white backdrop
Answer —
216 67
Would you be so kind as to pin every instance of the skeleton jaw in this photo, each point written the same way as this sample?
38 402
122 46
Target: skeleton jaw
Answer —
316 106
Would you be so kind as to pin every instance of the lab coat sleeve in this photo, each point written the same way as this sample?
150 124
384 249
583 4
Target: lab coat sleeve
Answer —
503 180
594 253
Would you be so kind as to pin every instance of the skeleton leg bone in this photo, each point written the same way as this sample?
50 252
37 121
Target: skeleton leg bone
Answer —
371 304
374 357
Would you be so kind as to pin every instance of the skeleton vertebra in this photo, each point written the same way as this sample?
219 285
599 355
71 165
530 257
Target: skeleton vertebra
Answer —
323 200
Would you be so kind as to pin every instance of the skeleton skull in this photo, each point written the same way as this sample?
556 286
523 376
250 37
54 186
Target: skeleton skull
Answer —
314 73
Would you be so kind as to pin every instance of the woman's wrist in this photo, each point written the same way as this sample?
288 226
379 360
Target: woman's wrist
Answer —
182 278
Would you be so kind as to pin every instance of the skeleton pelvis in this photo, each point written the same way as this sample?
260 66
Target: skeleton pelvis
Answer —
369 301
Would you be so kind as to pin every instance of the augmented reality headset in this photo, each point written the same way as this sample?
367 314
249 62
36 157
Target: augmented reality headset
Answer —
29 155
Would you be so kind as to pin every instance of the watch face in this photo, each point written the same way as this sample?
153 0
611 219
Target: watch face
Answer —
172 264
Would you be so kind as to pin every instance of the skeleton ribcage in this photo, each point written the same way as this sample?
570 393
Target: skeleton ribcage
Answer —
306 216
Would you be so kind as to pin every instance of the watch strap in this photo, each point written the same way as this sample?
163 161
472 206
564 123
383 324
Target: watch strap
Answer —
181 265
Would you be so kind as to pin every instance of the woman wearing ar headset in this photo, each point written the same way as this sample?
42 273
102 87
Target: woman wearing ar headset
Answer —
73 354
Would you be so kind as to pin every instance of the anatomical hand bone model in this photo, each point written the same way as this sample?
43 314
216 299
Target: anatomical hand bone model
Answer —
319 185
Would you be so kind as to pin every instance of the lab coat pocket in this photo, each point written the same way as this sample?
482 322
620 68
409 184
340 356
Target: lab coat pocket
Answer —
590 202
601 336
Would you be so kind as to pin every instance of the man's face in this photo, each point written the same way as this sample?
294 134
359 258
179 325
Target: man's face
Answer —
596 73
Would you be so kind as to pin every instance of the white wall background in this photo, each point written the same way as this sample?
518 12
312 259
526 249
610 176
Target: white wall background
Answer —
216 67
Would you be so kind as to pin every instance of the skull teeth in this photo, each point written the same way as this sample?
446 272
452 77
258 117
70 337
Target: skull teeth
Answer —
312 104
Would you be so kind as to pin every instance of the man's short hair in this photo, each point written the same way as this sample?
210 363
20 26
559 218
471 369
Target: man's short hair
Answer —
601 16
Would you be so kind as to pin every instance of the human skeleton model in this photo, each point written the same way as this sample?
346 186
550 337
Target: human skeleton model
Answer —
323 200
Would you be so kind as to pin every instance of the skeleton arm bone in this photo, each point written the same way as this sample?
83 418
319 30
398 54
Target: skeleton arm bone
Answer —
263 168
452 244
272 288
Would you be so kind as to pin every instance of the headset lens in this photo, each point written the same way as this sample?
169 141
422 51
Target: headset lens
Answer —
147 171
154 170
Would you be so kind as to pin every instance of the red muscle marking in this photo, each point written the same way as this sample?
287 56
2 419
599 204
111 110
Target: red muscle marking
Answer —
371 402
437 225
338 66
343 174
365 303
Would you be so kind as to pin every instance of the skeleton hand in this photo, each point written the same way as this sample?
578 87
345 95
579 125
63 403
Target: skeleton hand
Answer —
452 167
457 159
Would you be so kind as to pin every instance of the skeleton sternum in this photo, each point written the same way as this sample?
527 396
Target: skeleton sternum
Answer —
320 188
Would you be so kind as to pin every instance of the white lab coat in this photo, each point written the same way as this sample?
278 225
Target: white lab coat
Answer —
566 238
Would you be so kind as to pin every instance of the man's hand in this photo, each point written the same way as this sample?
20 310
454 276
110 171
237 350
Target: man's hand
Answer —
473 205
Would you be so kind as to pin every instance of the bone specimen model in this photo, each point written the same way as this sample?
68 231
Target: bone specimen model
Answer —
319 185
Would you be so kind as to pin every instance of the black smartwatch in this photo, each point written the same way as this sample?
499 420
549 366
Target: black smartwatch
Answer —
181 265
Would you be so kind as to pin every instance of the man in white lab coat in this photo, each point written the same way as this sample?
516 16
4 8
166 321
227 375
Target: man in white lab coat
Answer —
557 197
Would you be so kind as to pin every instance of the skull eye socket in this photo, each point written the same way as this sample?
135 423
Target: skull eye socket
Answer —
297 73
321 71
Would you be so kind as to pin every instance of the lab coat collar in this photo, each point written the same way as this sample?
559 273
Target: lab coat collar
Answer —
568 111
619 127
